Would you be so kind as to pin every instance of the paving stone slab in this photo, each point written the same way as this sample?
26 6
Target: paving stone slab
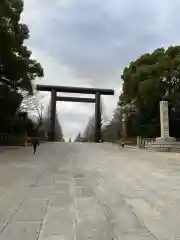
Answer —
92 230
83 192
31 210
21 231
80 182
134 236
40 193
61 200
5 217
61 187
45 181
88 209
56 237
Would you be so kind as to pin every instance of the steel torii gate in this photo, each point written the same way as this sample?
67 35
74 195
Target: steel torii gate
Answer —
63 89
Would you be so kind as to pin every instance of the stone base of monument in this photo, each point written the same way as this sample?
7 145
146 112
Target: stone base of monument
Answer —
165 144
166 140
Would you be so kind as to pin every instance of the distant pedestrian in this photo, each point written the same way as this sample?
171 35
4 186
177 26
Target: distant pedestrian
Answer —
35 142
122 143
69 139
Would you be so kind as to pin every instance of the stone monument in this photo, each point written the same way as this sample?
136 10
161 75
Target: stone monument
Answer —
164 141
164 121
124 129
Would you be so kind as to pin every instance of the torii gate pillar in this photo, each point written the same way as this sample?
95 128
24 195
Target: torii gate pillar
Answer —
98 118
53 115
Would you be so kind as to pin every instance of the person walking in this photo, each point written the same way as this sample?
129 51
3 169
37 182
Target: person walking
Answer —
122 143
35 142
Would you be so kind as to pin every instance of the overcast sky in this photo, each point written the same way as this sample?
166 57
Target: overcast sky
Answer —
89 42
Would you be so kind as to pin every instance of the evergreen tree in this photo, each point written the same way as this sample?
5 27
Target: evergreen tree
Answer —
17 69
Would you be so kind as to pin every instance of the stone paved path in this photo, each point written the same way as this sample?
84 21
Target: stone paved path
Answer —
89 191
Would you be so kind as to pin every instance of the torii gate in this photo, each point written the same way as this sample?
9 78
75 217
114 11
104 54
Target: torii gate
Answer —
63 89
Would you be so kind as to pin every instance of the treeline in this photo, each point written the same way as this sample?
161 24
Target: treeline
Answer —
146 81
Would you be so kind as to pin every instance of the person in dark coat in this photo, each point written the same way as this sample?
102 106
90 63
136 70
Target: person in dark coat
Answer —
35 142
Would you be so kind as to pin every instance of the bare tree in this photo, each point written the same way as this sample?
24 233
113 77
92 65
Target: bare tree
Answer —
113 130
89 131
45 128
78 138
88 134
33 105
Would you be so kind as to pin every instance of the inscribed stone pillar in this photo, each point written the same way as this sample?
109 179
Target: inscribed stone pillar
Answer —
164 119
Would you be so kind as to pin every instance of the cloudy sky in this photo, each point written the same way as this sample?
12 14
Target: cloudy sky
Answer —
89 42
